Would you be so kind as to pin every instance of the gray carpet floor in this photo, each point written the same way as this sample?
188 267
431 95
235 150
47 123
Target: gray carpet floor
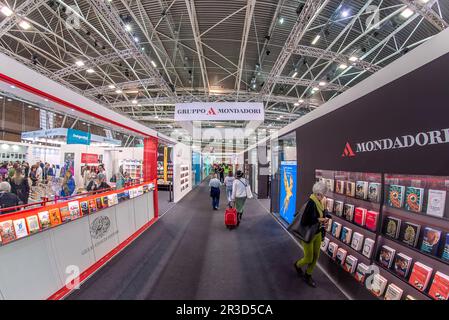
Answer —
189 254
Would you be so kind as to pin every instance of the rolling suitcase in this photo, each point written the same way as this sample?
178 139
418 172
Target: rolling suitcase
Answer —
230 217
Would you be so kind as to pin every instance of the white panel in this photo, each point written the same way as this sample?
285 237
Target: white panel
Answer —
182 155
103 231
150 204
213 111
28 269
140 211
126 224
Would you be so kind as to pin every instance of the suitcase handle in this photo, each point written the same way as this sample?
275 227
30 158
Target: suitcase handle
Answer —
230 204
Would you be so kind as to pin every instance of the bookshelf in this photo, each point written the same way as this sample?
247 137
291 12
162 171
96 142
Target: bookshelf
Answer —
133 167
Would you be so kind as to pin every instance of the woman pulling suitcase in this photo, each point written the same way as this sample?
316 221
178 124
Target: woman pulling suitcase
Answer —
241 191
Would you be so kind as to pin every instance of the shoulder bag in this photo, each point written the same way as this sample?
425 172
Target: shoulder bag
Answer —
300 231
249 193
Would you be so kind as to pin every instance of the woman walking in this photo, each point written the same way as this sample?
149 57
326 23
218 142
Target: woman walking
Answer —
241 190
229 181
214 185
314 215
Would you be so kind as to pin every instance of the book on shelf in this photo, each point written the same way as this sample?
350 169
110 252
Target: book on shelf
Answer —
74 209
371 220
348 212
357 241
338 208
346 235
379 284
420 276
409 233
386 256
330 184
340 186
99 203
360 216
350 188
20 228
325 244
330 205
105 201
361 272
329 225
332 250
414 198
368 247
374 191
7 233
341 256
431 241
336 229
65 213
393 292
350 264
84 206
445 255
402 264
33 223
436 203
55 217
392 227
93 206
44 219
439 290
361 190
396 196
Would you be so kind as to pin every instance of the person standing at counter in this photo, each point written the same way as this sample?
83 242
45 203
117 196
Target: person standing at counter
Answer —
20 186
98 184
7 199
120 178
68 184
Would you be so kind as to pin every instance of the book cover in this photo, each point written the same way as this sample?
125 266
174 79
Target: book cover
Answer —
361 190
436 203
7 231
329 225
74 209
368 248
332 250
360 216
357 241
393 292
330 184
445 255
121 197
414 199
92 206
336 229
145 188
371 220
392 227
338 208
33 223
420 276
410 233
44 219
379 284
361 271
84 205
104 201
140 190
348 212
341 256
374 192
330 205
439 290
20 228
410 297
99 203
346 235
402 264
396 196
350 189
386 256
431 241
325 244
111 200
340 187
54 216
350 264
65 213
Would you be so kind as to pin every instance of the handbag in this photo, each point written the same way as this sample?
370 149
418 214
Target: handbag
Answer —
249 193
300 231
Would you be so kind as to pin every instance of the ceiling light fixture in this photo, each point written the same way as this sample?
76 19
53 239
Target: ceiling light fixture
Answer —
134 101
315 89
295 74
322 83
111 86
343 66
296 104
301 101
345 13
407 13
281 20
6 11
153 63
353 59
118 91
128 27
79 63
90 70
136 39
13 87
316 39
25 25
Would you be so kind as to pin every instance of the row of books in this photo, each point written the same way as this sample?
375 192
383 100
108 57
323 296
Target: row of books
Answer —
412 199
358 215
355 240
12 229
420 275
184 187
363 190
433 241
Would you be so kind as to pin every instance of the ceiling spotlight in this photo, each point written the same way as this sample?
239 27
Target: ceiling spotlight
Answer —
295 74
134 101
111 86
142 49
316 39
424 1
156 117
136 39
6 11
13 87
118 91
90 70
281 20
407 13
322 83
301 101
315 89
296 104
345 13
153 63
128 27
24 25
79 63
353 59
342 66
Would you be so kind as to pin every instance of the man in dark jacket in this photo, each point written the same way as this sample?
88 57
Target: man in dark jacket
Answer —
7 199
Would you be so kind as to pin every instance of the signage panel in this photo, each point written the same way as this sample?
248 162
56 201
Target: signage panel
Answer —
78 137
288 179
89 158
219 111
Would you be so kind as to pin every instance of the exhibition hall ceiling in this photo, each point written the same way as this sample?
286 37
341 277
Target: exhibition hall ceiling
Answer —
141 57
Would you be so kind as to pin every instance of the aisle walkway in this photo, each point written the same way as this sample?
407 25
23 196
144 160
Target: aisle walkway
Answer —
189 254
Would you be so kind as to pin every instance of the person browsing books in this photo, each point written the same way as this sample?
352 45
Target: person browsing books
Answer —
314 213
98 184
7 198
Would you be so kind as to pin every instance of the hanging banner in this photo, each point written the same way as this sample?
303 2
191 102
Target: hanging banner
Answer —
89 158
77 137
200 111
288 190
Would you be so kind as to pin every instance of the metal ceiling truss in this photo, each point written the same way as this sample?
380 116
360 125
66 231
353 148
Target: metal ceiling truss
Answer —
309 83
20 13
122 86
426 11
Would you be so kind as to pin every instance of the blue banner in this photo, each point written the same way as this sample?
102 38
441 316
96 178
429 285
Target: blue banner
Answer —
288 171
196 166
77 137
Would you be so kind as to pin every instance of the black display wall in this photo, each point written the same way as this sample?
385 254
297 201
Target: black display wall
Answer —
417 102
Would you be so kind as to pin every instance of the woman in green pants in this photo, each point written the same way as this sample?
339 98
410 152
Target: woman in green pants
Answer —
313 213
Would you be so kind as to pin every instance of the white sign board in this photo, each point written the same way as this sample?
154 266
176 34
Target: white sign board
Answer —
218 111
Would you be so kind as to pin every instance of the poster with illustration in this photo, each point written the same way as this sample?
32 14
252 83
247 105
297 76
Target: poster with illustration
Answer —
288 171
69 163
